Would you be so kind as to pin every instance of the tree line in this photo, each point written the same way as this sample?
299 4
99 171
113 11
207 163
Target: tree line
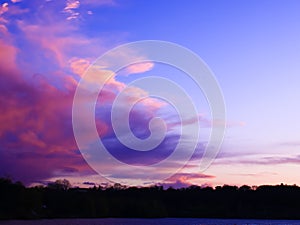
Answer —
60 200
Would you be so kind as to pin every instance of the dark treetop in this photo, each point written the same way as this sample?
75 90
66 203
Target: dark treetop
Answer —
59 200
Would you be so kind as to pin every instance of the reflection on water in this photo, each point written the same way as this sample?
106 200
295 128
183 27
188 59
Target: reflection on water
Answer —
166 221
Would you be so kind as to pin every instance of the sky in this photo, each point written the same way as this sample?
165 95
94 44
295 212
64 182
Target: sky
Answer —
252 47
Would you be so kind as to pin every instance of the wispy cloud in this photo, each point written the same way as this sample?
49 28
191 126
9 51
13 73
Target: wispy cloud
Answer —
259 160
290 143
70 9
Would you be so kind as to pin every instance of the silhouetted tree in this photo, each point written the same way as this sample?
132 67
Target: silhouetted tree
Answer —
60 185
60 200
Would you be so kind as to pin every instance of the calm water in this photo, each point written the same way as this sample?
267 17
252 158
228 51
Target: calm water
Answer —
167 221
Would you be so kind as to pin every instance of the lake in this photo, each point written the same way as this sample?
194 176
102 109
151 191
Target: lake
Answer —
165 221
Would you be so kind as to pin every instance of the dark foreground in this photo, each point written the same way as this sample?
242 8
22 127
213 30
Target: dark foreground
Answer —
58 200
165 221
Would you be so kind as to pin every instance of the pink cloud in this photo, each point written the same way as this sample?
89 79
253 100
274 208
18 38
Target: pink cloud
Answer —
182 180
7 9
3 29
3 8
139 68
40 124
79 65
184 177
36 115
56 43
36 135
8 55
32 139
72 4
112 87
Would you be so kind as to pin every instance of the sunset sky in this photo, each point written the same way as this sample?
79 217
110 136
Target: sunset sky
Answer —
253 48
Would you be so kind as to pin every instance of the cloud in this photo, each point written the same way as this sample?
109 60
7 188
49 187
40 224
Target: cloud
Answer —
261 174
71 6
190 176
79 65
89 183
36 132
139 68
204 122
54 41
273 160
8 55
32 139
39 72
183 180
74 8
290 143
259 160
3 8
36 135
